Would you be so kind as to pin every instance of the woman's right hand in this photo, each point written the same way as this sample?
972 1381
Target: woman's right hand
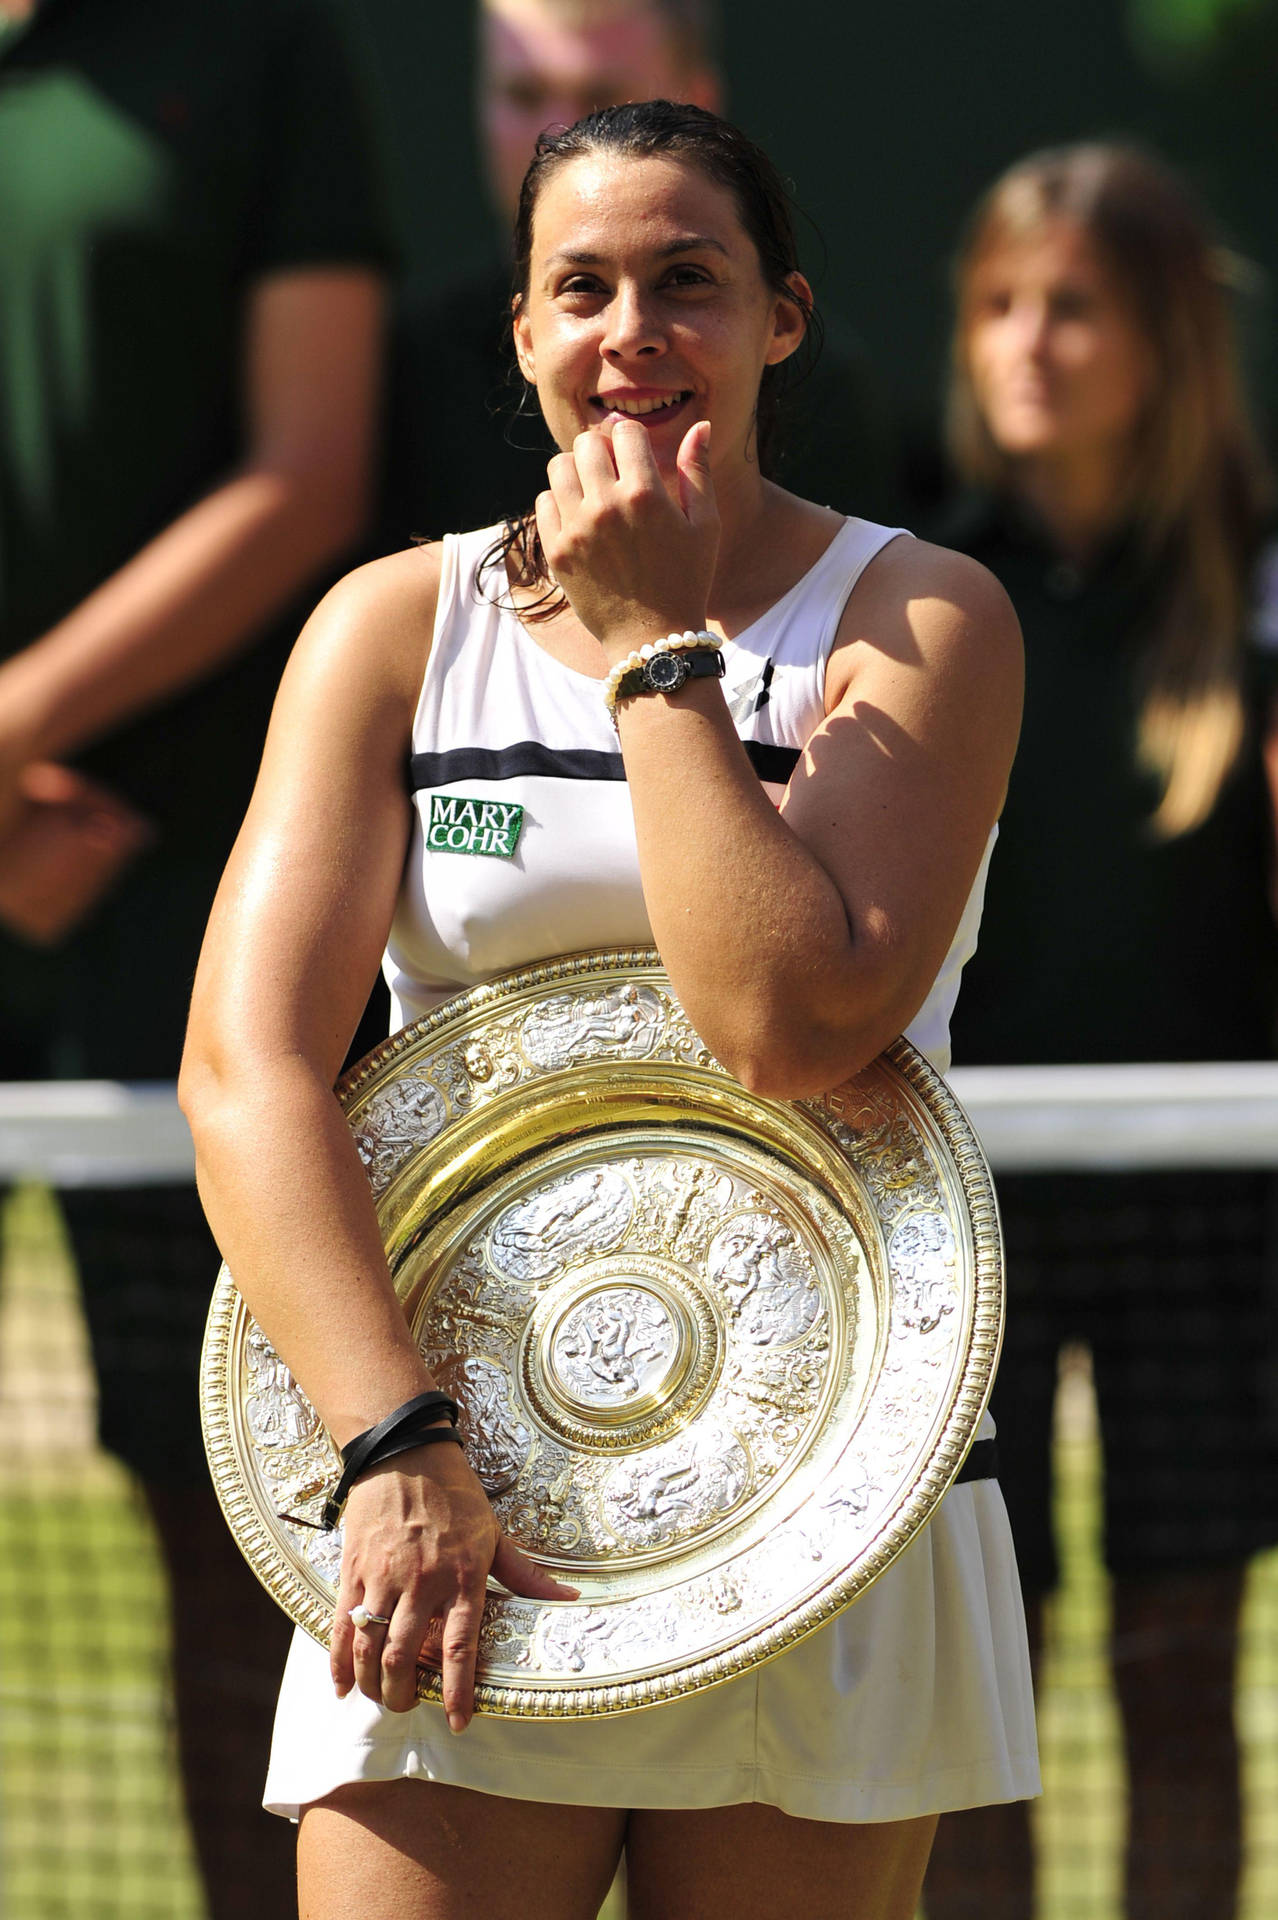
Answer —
420 1542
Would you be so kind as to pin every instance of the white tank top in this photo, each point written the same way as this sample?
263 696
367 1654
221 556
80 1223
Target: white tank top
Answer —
523 842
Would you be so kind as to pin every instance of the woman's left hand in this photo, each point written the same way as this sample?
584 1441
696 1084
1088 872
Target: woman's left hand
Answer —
634 562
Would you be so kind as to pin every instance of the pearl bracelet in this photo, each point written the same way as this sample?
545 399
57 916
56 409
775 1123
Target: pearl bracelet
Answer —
671 643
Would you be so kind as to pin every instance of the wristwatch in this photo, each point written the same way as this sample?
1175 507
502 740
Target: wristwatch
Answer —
666 672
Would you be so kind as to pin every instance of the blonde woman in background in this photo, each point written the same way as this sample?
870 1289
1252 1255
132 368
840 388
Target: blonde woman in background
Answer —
1118 495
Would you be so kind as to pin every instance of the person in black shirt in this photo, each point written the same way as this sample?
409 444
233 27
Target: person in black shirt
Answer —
1122 503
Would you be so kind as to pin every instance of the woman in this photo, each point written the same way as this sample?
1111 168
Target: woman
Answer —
1095 407
657 296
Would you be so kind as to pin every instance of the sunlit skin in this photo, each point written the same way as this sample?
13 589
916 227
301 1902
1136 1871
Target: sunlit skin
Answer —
546 64
645 290
1062 374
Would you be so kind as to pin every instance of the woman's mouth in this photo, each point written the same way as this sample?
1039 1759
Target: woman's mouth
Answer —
639 404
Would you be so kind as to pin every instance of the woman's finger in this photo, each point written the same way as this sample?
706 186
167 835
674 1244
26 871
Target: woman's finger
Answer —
402 1652
549 524
459 1646
635 460
596 467
367 1647
519 1574
341 1662
565 481
696 488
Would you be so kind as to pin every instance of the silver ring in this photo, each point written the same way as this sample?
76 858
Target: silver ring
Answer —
361 1617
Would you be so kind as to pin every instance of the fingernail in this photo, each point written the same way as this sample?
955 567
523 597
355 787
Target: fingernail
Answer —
456 1723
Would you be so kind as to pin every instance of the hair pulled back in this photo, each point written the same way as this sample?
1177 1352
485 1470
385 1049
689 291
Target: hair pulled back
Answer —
663 129
1197 488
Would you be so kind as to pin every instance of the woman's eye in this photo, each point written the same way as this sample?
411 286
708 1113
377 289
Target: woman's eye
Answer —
1072 303
581 283
688 277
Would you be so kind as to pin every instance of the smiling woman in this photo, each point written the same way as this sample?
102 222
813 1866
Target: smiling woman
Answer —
531 677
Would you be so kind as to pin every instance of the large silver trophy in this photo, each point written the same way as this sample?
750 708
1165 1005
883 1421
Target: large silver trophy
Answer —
718 1357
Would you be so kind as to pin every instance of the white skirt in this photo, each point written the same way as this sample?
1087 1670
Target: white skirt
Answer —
917 1699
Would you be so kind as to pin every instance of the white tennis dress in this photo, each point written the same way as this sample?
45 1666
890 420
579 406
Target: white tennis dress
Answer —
917 1699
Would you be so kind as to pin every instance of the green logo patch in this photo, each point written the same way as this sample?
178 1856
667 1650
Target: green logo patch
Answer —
473 826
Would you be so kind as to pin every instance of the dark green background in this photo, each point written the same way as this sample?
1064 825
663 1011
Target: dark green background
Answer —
890 121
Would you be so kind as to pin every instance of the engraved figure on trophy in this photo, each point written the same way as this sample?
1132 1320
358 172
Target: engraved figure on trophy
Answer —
764 1269
921 1256
626 1021
397 1121
536 1512
582 1213
723 1593
571 1641
496 1439
676 1488
472 1296
614 1347
279 1413
781 1391
680 1204
844 1503
474 1072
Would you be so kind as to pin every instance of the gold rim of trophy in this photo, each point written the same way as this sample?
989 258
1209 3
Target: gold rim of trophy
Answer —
719 1357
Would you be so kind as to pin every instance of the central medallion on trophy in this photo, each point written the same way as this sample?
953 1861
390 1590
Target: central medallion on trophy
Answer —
620 1350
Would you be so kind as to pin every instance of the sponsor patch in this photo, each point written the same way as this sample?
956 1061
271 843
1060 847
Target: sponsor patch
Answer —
457 825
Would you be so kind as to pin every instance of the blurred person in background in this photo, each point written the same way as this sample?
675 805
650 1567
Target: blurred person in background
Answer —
1119 496
193 262
467 443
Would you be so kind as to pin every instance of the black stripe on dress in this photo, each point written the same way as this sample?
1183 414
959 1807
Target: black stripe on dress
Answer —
562 763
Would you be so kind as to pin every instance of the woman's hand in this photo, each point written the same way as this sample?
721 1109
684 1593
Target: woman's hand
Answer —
635 562
420 1543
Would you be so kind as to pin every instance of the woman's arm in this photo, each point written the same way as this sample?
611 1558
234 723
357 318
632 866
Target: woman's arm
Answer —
800 942
293 944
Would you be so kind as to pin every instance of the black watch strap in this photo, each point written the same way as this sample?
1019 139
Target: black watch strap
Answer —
671 669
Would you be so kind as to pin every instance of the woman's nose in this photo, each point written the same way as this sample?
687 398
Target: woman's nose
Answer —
633 326
1033 328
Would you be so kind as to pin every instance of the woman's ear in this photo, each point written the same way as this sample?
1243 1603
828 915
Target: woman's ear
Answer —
789 319
523 343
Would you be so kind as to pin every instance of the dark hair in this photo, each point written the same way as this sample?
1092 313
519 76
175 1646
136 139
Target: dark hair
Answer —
639 131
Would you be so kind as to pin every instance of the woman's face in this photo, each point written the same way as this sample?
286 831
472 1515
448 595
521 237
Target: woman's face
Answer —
646 299
1059 367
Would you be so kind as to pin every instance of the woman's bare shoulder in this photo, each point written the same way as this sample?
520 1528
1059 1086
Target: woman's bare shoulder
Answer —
377 621
929 608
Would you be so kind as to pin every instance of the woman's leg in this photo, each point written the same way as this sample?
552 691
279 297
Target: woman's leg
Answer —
1175 1640
416 1850
758 1864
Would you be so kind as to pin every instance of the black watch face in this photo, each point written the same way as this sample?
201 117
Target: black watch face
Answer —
665 672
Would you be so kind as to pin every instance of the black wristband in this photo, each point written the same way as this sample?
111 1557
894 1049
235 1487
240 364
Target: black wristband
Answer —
428 1405
410 1433
415 1424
